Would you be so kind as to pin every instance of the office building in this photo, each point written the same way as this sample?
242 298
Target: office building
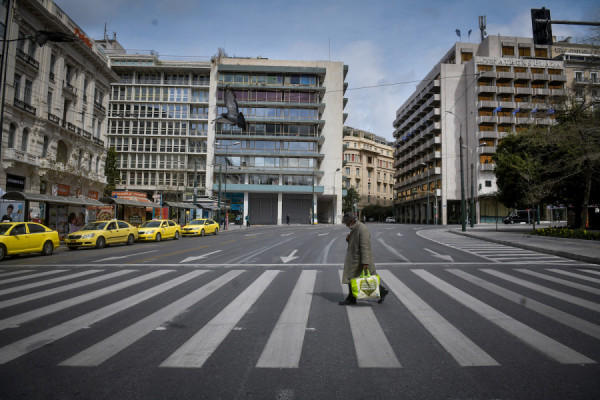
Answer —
368 167
283 164
479 92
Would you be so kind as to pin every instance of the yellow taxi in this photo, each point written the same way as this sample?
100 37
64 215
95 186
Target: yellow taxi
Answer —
100 233
158 229
200 227
26 237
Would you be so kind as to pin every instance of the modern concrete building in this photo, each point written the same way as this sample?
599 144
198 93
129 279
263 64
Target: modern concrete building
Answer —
55 99
368 167
480 93
283 164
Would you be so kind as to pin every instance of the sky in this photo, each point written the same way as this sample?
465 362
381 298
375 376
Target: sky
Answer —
388 45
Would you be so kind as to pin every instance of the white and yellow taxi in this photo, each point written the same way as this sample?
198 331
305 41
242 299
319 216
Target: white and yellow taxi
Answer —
158 229
200 227
101 233
27 237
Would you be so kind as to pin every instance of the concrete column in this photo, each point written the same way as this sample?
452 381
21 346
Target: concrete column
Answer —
279 207
245 209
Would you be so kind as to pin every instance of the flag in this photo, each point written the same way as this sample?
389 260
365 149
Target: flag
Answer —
457 32
534 110
498 109
550 111
516 111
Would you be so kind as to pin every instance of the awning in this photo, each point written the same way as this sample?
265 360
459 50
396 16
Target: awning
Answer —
176 204
208 206
45 198
126 202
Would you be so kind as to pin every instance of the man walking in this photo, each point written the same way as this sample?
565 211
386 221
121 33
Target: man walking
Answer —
359 256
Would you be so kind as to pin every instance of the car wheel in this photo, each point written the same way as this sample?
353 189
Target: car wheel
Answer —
216 232
2 252
512 221
158 237
202 232
72 247
100 242
48 248
176 235
130 239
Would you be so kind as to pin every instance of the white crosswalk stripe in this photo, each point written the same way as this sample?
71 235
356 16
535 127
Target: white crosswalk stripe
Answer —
375 344
491 251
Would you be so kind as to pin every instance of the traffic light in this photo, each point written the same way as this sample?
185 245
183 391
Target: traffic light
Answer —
542 28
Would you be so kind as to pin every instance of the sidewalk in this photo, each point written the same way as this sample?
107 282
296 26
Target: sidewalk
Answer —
517 236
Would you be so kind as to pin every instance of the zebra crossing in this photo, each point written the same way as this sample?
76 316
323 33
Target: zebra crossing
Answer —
568 299
495 252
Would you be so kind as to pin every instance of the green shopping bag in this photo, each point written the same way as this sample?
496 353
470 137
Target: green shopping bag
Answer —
366 286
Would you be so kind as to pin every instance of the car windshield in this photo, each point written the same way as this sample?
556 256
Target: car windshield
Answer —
197 222
95 226
4 228
151 224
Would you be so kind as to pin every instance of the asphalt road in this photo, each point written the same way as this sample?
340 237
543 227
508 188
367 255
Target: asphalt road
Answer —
253 314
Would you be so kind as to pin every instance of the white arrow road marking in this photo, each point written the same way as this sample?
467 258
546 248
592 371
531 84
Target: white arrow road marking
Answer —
399 234
392 250
438 255
323 234
287 234
194 258
289 258
128 255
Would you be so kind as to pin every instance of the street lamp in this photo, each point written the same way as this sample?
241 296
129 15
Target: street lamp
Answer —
427 166
472 213
463 206
335 208
227 146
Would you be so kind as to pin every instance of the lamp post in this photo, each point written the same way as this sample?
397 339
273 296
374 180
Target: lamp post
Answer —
472 213
427 166
336 171
226 155
195 186
462 178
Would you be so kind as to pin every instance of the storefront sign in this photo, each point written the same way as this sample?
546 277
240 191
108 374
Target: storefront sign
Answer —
83 38
15 181
92 194
59 189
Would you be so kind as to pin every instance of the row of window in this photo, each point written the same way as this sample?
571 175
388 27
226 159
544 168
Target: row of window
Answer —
268 79
158 145
275 96
164 128
265 145
266 162
385 188
159 78
271 112
270 129
156 93
369 174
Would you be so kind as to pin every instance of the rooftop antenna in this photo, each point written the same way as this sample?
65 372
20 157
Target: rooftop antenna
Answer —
482 27
105 32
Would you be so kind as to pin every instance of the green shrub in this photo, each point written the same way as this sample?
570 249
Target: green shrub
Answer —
568 233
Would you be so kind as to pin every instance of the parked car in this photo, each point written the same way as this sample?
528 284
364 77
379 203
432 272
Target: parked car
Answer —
101 233
200 227
518 216
158 229
27 237
390 220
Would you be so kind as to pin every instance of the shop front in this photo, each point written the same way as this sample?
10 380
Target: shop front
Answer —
135 212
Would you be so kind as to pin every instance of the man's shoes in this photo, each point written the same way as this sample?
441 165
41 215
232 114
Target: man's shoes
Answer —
384 292
350 300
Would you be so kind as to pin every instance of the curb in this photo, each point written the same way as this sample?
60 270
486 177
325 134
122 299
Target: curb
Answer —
572 256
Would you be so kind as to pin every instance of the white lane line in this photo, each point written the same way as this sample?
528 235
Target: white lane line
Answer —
392 250
372 347
550 312
16 320
4 274
461 348
195 352
38 275
560 281
325 252
578 276
125 256
546 290
590 271
544 344
34 342
284 347
48 282
102 351
49 292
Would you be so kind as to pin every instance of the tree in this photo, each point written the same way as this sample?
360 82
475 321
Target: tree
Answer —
352 197
112 173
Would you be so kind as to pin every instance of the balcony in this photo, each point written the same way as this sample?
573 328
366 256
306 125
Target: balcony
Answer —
24 106
486 89
486 104
506 89
69 89
541 77
19 156
523 90
523 76
486 150
486 167
99 106
30 61
487 135
486 119
54 118
541 92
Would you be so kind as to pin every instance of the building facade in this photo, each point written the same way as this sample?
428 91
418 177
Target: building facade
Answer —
477 94
161 125
55 100
582 67
368 167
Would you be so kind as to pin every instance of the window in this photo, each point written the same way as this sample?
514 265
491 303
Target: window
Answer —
25 139
27 91
524 52
541 53
45 147
594 77
35 228
49 101
578 76
12 131
488 183
466 56
52 66
508 51
17 86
